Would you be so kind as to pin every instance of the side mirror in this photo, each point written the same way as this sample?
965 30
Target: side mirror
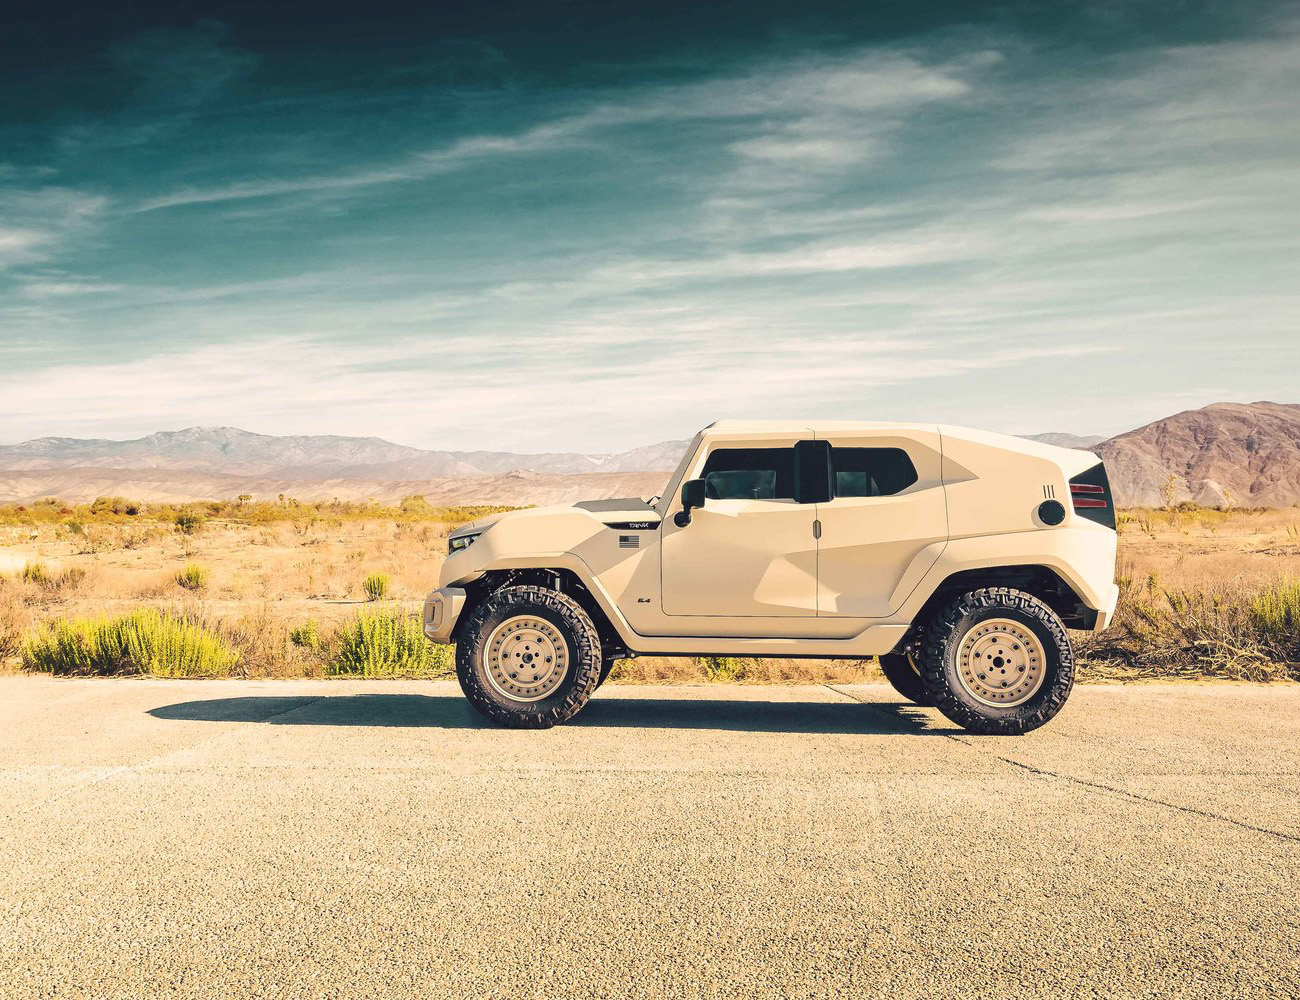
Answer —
692 497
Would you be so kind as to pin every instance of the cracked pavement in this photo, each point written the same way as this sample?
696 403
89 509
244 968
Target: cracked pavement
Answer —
354 838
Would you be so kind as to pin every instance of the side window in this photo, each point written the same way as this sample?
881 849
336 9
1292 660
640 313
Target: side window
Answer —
749 474
871 472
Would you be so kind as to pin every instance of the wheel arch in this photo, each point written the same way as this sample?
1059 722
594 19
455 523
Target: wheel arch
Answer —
564 581
1042 582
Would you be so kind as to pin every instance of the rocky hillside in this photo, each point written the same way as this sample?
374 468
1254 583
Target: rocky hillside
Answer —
1245 454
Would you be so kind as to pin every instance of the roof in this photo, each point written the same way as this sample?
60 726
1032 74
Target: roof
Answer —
760 428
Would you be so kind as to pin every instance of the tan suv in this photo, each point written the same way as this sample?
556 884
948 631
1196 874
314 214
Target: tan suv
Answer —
957 557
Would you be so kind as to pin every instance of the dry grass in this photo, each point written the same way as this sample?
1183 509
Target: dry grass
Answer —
1205 592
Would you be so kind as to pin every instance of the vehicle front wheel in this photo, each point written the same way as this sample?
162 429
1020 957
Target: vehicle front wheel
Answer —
997 661
528 657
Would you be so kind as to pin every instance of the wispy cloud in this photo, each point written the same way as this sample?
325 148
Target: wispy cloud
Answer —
36 223
1028 241
808 103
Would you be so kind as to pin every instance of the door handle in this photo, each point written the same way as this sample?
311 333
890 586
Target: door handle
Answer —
817 527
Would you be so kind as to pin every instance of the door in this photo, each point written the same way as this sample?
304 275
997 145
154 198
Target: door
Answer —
885 524
749 551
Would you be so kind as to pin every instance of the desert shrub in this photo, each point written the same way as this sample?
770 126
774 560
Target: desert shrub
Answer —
306 635
1275 614
725 668
1229 632
70 578
388 642
38 573
193 576
114 505
187 522
142 642
377 586
416 505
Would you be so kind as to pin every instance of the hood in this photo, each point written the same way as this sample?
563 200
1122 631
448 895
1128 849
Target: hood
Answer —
619 511
482 524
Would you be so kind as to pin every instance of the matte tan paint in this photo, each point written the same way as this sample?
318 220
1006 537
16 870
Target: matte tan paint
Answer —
753 559
737 582
870 545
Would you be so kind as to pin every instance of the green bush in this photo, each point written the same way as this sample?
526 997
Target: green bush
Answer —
142 642
194 576
306 635
114 505
388 642
187 523
1275 613
377 586
416 505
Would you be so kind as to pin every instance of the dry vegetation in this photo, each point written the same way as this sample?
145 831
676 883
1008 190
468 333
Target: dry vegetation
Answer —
287 589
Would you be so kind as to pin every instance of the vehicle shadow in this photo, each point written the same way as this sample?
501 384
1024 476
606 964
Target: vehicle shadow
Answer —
451 712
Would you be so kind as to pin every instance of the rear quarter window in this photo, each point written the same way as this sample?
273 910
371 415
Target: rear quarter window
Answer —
871 472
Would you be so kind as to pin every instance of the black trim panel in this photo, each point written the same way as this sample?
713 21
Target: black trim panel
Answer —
603 506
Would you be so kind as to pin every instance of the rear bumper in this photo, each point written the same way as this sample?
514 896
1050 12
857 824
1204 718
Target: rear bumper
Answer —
442 608
1106 610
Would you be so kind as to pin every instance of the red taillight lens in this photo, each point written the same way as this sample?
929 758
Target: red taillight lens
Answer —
1079 493
1090 494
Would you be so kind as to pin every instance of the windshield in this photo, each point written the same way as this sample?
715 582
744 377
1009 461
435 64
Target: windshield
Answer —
662 503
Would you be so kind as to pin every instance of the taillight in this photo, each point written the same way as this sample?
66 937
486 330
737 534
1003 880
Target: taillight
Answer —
1090 495
1080 493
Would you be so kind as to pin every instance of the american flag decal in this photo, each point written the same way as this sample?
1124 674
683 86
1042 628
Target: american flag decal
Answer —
629 542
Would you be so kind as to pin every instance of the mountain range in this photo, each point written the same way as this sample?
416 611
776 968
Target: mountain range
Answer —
1235 453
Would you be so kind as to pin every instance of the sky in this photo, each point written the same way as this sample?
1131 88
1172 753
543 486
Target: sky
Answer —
589 226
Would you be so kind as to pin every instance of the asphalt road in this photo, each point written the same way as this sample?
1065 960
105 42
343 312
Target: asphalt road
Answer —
301 838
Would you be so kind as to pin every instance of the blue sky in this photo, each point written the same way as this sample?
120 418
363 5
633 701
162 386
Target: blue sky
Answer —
557 228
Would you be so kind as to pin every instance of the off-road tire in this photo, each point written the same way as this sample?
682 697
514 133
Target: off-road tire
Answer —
944 635
584 656
905 678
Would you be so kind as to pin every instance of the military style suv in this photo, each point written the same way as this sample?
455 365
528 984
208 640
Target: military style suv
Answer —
957 557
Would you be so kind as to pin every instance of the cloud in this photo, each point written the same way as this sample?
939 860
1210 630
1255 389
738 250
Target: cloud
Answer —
283 382
1041 243
36 224
807 102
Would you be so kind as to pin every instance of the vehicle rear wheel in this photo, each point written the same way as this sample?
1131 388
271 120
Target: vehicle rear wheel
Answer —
528 657
997 661
901 671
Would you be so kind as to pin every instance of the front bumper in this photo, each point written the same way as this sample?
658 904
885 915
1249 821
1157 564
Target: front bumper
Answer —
441 610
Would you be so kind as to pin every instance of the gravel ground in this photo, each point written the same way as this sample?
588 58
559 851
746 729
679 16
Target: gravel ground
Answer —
329 838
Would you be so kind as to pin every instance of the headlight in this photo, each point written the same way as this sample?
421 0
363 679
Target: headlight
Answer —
458 542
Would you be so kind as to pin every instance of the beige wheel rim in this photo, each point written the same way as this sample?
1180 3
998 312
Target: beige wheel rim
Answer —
1001 662
527 658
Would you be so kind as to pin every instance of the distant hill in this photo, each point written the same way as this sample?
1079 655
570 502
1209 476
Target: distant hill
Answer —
1247 454
1244 453
234 452
1062 440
